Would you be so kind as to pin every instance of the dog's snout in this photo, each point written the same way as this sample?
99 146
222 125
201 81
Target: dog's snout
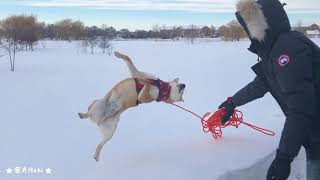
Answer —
182 85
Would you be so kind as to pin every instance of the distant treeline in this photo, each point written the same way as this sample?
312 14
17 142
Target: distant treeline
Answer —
68 29
22 32
27 29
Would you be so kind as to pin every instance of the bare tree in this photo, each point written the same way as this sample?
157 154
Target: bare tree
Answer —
222 31
83 45
1 39
67 29
29 31
10 28
10 46
105 45
62 29
192 33
77 30
17 32
164 32
104 40
2 50
92 37
110 32
156 31
93 42
213 31
233 31
124 33
175 33
48 32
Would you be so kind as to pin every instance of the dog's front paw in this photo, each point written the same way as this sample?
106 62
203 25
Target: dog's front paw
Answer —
96 157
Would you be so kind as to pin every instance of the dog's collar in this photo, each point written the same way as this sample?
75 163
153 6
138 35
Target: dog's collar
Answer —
164 89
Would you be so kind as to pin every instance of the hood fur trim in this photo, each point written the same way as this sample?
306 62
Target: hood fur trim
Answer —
254 18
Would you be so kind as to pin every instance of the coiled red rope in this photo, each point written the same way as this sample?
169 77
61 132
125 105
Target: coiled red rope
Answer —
213 123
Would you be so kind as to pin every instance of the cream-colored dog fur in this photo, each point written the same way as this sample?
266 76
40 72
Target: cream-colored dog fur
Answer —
252 14
105 112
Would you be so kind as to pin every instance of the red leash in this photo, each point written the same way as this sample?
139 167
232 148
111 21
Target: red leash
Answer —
213 123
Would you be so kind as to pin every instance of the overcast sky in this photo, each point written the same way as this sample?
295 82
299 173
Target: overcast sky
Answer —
142 14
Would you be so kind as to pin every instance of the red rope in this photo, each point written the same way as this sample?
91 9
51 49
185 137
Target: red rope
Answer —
213 123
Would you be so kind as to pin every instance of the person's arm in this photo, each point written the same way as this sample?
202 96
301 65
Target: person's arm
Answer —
254 90
296 82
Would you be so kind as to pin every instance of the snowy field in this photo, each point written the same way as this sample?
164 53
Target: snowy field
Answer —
40 127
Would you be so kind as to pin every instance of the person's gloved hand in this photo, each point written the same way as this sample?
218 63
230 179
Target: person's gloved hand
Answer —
229 109
280 167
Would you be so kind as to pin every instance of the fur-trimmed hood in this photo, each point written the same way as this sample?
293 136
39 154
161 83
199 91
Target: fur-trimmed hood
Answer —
254 18
263 20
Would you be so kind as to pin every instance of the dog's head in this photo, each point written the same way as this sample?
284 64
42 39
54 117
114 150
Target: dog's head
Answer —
176 92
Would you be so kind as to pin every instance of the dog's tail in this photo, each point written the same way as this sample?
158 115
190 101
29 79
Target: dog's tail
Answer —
135 73
132 68
122 56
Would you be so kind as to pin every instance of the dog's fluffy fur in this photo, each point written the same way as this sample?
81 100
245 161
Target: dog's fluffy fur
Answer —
252 14
105 112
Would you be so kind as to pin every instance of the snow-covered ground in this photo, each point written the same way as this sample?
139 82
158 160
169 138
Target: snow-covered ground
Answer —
40 127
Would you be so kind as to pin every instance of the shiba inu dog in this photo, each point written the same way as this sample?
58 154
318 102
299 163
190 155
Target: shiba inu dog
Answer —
142 87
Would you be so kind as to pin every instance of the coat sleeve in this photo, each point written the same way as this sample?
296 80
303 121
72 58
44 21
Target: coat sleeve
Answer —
296 83
254 90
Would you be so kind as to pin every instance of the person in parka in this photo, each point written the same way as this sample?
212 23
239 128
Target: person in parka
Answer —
286 70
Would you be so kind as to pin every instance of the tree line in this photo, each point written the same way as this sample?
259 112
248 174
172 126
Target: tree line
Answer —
29 30
19 33
68 29
22 32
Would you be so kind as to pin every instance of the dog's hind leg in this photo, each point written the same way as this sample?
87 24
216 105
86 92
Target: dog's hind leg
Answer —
87 114
107 127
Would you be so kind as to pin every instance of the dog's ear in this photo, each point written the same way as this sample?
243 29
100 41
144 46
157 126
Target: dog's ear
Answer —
176 80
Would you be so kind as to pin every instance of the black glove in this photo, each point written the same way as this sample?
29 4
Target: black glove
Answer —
280 167
229 108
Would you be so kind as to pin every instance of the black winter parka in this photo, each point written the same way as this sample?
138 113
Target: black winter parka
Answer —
287 70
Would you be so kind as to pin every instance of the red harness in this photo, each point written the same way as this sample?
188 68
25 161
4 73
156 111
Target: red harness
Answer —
164 88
